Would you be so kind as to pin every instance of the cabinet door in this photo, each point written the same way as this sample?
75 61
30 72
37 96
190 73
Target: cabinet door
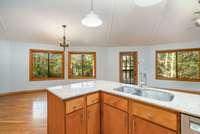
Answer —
93 119
75 123
115 121
140 126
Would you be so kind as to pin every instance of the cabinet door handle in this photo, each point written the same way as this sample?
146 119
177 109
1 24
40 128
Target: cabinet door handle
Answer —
94 101
74 107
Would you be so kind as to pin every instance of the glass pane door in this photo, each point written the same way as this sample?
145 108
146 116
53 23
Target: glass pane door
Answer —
128 67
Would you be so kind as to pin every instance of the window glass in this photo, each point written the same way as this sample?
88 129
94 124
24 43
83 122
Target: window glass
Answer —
188 64
181 64
82 65
166 65
76 65
40 65
46 65
88 65
128 67
55 65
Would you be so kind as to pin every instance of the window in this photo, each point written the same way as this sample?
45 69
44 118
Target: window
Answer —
181 64
82 65
46 65
128 67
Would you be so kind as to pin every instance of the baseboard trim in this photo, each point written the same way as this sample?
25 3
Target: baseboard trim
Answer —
22 92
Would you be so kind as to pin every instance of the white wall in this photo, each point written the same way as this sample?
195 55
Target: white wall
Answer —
4 65
18 66
14 65
167 83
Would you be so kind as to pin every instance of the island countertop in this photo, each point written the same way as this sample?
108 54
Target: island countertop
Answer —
182 102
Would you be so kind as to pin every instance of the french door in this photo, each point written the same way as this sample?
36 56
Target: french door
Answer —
128 67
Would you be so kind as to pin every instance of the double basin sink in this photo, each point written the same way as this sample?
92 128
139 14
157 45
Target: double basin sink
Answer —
147 93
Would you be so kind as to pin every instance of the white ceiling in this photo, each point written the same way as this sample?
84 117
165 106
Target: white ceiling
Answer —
124 23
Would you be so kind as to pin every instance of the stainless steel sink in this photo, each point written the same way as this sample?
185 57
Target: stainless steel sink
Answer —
147 93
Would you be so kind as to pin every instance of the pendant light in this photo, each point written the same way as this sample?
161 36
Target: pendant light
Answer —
92 19
198 22
146 3
65 43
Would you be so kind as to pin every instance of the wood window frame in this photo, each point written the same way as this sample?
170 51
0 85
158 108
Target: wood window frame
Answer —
31 77
135 64
70 76
176 51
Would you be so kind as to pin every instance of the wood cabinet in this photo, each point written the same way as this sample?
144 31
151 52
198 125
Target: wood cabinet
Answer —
141 126
163 117
93 98
116 101
74 104
75 122
108 114
93 119
115 121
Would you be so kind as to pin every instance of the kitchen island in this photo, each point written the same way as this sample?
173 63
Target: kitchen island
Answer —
92 107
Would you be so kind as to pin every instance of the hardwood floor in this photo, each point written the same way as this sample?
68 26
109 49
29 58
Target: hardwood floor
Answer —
24 113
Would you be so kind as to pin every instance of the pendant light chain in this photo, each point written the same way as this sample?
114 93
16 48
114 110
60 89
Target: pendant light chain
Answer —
64 36
65 43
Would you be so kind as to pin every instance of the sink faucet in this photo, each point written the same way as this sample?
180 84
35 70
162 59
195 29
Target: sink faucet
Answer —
143 79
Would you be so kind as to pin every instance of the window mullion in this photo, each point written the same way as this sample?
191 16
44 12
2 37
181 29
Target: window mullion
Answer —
177 65
82 55
199 64
48 65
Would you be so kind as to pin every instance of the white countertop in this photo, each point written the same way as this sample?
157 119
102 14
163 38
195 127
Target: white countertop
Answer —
182 102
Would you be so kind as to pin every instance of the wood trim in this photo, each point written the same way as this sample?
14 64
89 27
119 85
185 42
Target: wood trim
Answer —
69 64
178 123
130 121
42 50
134 54
31 78
22 92
176 51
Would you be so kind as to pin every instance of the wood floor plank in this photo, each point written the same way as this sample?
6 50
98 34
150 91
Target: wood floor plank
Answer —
23 113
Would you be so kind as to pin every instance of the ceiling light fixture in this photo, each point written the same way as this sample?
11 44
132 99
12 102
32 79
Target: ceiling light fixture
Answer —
92 19
65 43
146 3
